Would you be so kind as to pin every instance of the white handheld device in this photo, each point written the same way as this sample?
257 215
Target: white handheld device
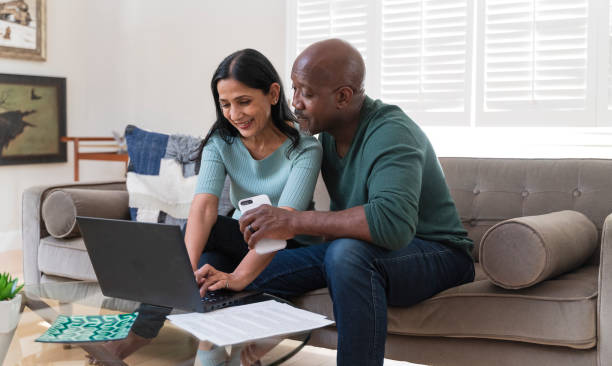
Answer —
264 245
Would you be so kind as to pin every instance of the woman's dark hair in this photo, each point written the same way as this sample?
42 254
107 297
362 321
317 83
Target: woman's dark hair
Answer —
254 70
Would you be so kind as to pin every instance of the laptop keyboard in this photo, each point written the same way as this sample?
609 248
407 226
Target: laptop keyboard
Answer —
214 300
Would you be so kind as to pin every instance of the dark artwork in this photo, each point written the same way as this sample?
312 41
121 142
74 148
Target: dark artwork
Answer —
11 126
32 119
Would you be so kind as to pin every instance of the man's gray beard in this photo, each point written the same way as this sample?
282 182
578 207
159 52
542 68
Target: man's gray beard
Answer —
304 130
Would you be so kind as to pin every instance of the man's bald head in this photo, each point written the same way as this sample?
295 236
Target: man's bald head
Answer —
328 90
332 63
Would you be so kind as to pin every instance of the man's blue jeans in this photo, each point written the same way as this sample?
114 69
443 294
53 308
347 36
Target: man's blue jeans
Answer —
363 280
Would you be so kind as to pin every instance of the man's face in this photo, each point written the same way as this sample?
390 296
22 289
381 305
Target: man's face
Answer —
313 101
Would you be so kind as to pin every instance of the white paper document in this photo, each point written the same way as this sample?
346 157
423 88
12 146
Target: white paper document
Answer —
239 324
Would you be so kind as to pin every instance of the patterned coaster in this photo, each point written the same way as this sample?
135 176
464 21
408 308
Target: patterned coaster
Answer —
88 328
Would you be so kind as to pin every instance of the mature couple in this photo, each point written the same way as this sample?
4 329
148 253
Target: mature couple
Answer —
393 236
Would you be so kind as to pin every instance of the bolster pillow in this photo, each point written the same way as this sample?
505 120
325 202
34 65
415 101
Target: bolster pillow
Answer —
521 252
62 206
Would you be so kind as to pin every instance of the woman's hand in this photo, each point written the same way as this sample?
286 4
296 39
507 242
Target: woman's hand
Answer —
209 278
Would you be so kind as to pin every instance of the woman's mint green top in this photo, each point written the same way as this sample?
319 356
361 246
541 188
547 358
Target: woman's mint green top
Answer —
288 181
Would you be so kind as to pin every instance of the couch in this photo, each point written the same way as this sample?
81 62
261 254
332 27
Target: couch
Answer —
565 320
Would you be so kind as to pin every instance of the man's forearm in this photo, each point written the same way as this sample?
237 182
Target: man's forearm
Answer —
275 223
349 223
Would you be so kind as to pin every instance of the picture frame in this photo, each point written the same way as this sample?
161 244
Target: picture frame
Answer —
32 119
23 29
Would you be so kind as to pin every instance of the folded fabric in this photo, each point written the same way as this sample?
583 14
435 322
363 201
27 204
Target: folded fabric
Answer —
61 207
162 175
524 251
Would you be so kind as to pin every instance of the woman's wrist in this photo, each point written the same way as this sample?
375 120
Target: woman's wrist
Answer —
192 260
239 281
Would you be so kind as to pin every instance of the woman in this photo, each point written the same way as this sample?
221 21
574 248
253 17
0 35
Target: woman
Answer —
255 141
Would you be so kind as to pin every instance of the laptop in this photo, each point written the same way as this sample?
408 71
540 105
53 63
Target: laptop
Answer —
148 262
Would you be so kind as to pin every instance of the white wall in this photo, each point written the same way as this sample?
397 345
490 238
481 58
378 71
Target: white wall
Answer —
147 62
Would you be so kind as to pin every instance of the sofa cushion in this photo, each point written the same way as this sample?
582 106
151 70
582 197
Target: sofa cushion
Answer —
65 258
521 252
162 174
560 311
61 207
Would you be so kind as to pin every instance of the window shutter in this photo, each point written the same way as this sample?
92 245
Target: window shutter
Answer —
527 62
425 55
318 20
535 58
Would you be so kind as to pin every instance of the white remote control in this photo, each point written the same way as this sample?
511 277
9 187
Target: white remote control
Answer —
264 245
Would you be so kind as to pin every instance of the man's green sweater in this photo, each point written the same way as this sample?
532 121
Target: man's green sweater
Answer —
392 171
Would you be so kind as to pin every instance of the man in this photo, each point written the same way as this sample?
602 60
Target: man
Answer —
398 237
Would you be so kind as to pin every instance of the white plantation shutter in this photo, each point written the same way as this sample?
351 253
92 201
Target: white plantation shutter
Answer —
318 20
415 50
535 62
527 62
425 56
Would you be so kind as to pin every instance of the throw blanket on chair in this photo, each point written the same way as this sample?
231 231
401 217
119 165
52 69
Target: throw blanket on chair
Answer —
162 175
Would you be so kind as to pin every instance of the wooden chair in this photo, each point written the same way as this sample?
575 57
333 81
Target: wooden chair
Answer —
111 153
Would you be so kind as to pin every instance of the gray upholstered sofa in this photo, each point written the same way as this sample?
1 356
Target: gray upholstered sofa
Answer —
566 320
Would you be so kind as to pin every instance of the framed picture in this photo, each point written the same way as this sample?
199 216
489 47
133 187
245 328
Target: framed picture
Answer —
22 29
32 119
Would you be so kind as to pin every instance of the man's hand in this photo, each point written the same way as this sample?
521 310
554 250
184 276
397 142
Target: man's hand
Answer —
209 278
267 222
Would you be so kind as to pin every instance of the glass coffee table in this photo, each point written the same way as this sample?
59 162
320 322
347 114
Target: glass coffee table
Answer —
175 346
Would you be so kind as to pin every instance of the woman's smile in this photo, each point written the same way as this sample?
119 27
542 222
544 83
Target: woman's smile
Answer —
245 125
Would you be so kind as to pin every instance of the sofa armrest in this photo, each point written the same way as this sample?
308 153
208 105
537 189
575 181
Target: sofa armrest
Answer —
604 300
32 227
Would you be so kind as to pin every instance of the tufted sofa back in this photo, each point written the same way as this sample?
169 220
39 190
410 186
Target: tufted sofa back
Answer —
487 191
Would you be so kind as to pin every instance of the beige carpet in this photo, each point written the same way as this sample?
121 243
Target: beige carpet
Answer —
314 356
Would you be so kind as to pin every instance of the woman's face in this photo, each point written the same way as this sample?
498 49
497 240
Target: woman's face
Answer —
246 108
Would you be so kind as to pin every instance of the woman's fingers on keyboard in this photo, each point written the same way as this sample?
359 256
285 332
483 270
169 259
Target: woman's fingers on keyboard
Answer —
216 281
204 272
